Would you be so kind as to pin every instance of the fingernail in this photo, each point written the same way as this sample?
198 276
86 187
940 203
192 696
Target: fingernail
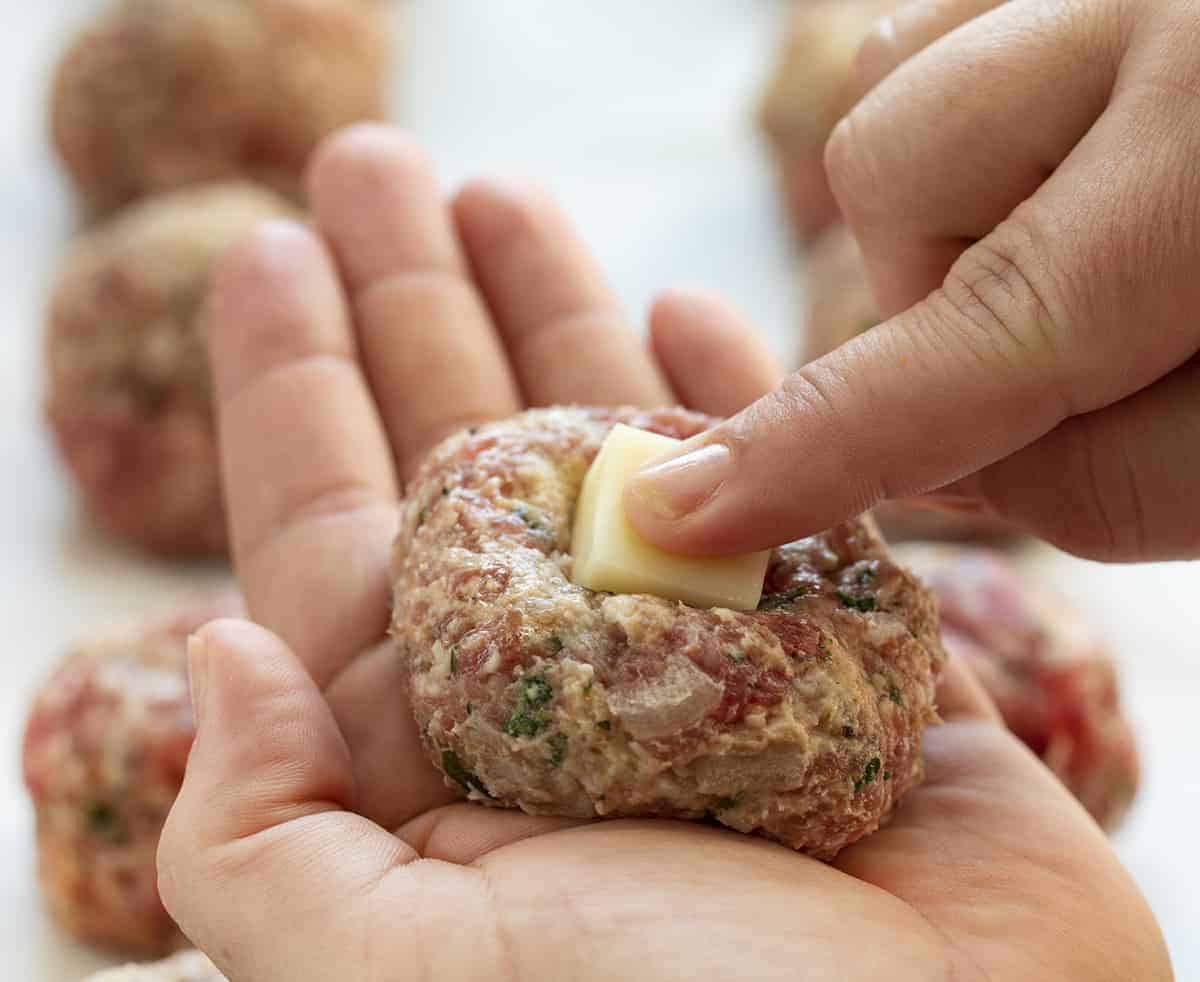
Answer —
197 653
679 486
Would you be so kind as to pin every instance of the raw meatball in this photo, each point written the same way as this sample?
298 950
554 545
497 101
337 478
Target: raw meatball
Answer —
128 393
1052 678
810 88
104 755
801 720
187 966
157 94
842 306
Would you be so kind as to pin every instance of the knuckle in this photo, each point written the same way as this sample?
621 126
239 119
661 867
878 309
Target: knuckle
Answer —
1003 295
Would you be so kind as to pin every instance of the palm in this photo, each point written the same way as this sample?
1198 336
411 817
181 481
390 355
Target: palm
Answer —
446 318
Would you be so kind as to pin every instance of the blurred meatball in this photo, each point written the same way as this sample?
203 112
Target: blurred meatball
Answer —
811 86
187 966
1051 676
840 307
128 391
157 94
104 753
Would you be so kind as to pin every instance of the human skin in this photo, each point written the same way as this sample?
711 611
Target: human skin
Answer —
314 840
1021 178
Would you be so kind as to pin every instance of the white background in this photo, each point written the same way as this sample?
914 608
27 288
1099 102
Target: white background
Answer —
636 113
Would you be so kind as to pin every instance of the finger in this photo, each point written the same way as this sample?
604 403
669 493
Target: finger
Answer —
392 772
307 470
1115 485
920 176
434 362
961 696
1031 327
563 328
259 838
261 807
714 361
910 29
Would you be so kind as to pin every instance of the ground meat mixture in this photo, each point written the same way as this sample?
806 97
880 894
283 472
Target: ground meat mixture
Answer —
810 87
128 390
1052 678
187 966
801 720
158 94
840 307
104 753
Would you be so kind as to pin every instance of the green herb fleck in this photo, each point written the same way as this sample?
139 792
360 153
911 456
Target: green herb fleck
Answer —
104 821
870 772
454 769
605 724
454 659
587 689
728 801
529 519
774 601
856 603
887 775
556 643
558 749
738 656
893 693
445 491
528 717
422 515
848 732
865 576
470 708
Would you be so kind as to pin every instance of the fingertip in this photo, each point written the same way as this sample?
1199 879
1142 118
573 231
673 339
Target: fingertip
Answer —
362 152
377 199
494 212
272 282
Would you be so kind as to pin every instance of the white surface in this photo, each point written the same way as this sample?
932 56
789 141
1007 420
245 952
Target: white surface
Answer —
634 112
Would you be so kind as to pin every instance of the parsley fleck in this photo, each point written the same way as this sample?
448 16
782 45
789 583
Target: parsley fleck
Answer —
848 732
556 643
864 604
728 801
454 659
529 519
104 821
774 601
454 769
870 772
528 716
865 576
422 515
887 775
738 656
893 693
445 491
558 749
605 724
587 689
470 708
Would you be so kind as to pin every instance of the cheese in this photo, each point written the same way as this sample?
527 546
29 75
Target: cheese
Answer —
609 554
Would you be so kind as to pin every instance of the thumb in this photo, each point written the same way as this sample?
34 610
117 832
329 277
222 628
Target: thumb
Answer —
259 863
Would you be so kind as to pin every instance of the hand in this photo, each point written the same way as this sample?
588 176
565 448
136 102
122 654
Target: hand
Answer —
279 858
1022 180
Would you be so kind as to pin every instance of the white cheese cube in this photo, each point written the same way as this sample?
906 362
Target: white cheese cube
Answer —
610 555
